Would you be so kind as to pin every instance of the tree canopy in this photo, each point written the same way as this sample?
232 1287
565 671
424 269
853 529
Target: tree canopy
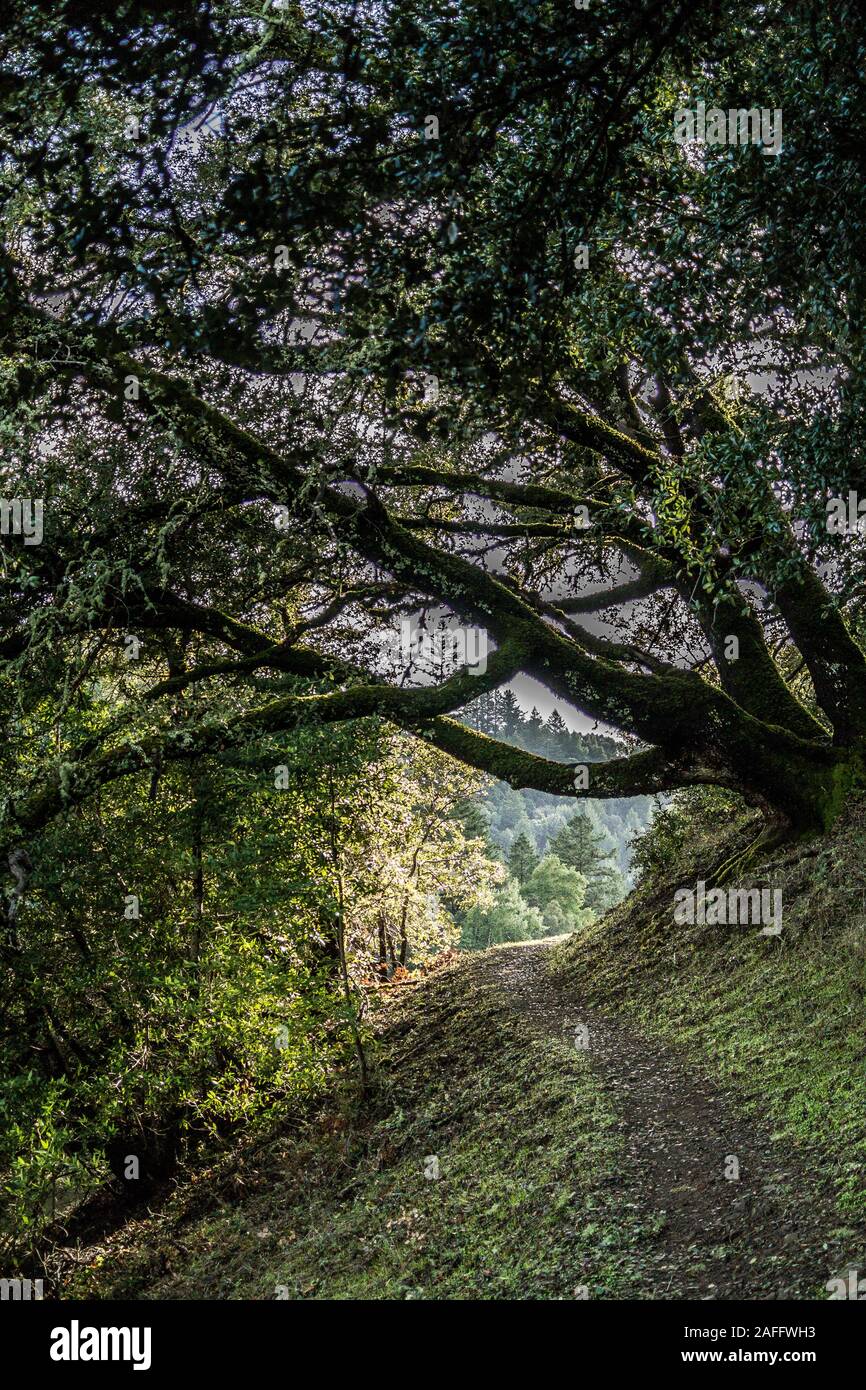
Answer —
325 325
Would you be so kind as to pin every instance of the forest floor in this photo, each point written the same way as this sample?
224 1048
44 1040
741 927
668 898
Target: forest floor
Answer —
639 1110
738 1215
497 1157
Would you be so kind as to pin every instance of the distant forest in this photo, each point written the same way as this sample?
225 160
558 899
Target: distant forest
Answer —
563 865
539 815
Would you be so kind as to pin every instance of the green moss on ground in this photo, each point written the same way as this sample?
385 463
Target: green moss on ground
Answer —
528 1204
780 1020
525 1146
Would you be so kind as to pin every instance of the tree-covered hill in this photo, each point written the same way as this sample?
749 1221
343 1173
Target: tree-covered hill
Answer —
541 816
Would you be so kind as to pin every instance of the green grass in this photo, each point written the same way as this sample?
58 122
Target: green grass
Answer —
343 1210
529 1202
780 1021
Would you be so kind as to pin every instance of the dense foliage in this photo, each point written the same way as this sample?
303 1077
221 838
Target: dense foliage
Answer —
355 362
176 970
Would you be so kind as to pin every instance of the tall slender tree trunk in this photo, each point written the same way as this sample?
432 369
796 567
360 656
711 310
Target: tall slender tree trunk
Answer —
341 940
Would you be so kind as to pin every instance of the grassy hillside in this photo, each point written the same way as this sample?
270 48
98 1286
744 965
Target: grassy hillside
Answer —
563 1172
780 1019
342 1208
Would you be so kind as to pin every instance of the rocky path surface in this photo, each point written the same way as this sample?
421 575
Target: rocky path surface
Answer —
772 1232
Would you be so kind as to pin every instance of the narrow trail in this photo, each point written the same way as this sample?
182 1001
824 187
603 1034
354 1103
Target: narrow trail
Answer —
774 1232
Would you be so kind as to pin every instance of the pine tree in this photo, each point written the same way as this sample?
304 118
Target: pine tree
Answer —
475 825
534 730
522 858
512 714
582 847
487 703
556 725
555 735
481 714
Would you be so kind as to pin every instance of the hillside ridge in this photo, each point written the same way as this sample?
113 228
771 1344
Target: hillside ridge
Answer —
620 1113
